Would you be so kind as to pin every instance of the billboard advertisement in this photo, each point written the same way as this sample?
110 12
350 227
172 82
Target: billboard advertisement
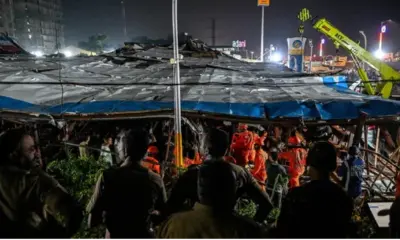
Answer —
239 44
295 52
296 45
263 3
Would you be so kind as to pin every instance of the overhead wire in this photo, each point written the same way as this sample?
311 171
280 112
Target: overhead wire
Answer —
250 84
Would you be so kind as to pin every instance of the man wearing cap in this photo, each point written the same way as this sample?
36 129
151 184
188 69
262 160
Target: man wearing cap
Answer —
320 208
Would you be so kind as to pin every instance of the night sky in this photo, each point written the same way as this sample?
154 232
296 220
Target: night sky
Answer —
235 20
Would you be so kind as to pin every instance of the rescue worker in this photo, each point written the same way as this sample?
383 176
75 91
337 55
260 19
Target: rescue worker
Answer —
127 195
296 161
32 203
193 158
151 162
242 146
259 170
186 186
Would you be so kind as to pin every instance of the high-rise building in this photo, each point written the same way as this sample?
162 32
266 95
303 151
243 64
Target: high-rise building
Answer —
35 24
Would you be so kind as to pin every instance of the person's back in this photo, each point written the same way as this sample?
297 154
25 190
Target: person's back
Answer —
321 208
129 194
276 183
186 189
212 216
201 223
186 186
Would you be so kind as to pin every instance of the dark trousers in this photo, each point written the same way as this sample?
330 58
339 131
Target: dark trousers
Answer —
276 198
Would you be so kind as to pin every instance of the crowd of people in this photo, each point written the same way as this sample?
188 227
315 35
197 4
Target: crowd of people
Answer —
131 199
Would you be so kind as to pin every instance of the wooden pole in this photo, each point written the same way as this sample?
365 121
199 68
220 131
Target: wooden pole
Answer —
377 142
365 155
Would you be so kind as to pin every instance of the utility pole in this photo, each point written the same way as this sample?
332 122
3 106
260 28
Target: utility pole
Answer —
124 19
177 86
262 4
311 54
262 34
213 32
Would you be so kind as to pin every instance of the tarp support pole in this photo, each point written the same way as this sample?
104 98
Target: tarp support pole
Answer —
358 132
177 87
365 157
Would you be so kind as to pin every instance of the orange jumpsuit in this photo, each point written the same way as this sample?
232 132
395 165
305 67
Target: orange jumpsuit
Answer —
150 162
242 146
296 157
259 172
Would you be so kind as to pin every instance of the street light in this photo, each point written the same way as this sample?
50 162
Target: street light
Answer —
379 54
365 43
276 57
383 30
321 45
124 19
311 54
365 39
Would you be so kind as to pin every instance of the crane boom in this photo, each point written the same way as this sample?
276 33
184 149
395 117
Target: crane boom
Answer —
387 73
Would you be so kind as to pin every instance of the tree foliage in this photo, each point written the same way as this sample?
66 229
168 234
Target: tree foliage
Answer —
146 40
95 43
79 176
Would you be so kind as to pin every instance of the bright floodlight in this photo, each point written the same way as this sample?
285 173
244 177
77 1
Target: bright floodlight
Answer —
323 41
38 53
379 54
276 57
68 54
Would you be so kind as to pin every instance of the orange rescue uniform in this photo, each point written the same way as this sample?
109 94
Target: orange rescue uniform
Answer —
259 171
296 157
242 146
150 162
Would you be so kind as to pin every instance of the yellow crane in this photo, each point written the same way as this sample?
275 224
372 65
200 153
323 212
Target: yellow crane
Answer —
388 75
